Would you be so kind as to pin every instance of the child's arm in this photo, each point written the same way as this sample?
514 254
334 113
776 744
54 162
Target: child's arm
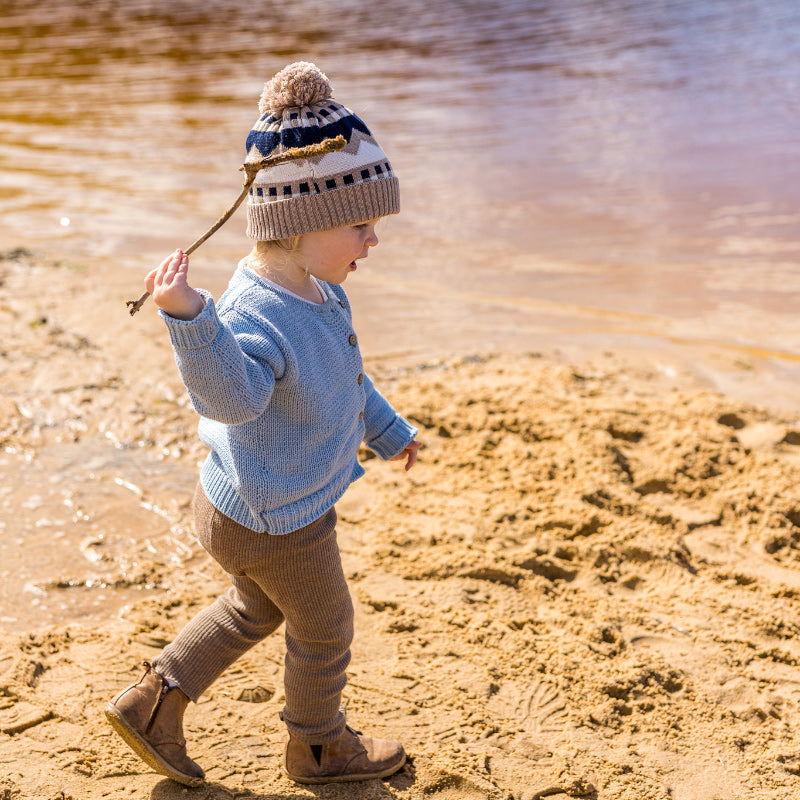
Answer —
225 381
386 432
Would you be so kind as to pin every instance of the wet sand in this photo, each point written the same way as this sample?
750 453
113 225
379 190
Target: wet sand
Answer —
588 587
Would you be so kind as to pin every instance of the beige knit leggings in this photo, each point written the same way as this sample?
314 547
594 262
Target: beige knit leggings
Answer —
295 577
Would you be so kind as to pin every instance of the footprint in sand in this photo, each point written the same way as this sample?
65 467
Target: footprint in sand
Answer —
537 709
18 715
246 688
450 786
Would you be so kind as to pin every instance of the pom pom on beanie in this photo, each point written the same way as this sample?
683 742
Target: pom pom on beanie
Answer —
298 84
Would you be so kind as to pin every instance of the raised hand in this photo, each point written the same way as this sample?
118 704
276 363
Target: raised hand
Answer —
168 284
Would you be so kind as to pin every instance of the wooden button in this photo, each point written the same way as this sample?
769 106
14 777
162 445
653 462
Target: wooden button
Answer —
361 379
352 339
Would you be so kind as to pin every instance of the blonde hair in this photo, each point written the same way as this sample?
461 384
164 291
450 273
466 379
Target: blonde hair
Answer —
274 254
268 247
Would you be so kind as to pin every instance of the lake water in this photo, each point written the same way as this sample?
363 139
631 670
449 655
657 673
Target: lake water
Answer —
632 157
574 174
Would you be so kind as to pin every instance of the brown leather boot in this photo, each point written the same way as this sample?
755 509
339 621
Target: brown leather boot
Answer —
149 717
352 757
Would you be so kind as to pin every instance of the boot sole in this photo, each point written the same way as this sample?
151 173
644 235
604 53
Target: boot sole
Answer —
385 773
145 752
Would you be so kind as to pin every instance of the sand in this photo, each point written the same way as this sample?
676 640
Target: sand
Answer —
588 587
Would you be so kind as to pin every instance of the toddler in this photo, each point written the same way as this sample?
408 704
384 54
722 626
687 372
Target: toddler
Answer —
274 371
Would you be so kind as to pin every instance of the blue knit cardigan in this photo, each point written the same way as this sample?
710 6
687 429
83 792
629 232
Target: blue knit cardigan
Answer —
284 402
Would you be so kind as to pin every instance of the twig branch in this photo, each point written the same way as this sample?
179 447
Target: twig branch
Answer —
251 169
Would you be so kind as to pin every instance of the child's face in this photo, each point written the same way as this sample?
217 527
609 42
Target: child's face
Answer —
331 255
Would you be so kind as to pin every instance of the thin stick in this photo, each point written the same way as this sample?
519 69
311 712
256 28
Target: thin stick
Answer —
251 169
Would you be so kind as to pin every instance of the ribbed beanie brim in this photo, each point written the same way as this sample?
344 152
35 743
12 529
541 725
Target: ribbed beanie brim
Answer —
282 219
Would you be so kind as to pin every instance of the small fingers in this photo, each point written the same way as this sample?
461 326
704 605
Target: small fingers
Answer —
412 449
150 280
164 274
155 273
177 262
409 453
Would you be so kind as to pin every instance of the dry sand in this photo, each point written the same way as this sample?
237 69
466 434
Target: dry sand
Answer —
588 587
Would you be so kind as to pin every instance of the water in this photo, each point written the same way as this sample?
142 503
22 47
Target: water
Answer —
607 174
620 133
85 530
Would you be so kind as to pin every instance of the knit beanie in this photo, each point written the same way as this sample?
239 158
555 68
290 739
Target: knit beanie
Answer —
343 187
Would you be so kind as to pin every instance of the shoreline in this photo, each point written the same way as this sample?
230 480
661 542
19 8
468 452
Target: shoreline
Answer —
414 318
585 587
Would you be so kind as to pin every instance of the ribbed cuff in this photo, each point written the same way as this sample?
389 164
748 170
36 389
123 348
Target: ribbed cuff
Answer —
191 334
394 439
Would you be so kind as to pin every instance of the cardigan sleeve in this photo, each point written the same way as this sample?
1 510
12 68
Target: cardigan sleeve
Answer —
385 431
229 368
